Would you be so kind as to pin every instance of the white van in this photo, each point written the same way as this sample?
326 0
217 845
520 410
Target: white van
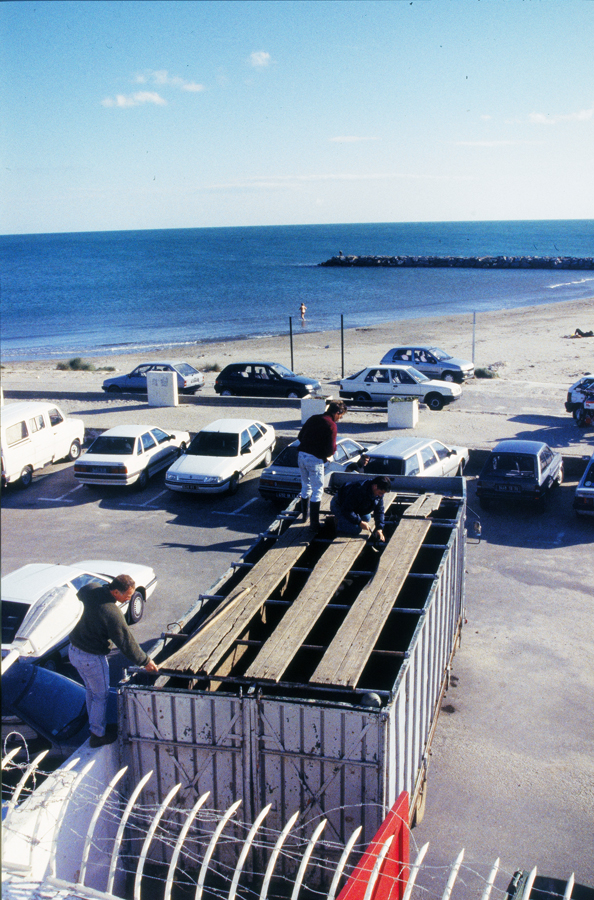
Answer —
33 435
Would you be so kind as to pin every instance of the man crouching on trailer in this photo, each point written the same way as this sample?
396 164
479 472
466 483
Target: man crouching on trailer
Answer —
356 502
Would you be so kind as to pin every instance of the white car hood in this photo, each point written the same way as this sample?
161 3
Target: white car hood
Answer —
207 466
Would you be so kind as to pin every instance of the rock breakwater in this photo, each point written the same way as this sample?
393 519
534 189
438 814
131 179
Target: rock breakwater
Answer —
463 262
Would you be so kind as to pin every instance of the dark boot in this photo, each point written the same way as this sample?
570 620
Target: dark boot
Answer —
304 507
314 514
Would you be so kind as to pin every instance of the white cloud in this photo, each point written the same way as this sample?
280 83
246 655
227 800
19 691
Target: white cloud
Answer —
584 115
260 59
122 101
162 78
491 143
352 139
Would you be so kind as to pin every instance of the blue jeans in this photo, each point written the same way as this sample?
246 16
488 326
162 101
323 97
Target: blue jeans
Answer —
94 671
344 525
312 476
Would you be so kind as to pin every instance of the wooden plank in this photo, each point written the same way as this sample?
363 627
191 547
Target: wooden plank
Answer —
285 641
347 655
202 652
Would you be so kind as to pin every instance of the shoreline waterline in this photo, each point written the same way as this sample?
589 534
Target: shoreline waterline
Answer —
457 326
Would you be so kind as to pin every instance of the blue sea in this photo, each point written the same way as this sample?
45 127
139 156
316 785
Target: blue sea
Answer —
95 293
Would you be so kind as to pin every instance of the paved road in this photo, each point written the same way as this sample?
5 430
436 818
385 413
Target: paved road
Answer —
512 771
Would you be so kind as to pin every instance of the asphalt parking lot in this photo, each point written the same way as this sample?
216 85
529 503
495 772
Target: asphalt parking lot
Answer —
512 765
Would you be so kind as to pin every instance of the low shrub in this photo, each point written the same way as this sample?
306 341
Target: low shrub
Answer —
211 367
76 365
486 372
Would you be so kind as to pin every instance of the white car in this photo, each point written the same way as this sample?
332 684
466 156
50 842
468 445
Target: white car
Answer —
281 481
416 456
379 383
129 454
40 607
220 455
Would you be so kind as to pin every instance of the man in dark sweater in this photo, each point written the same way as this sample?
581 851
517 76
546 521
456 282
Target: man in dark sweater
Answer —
317 445
102 623
356 502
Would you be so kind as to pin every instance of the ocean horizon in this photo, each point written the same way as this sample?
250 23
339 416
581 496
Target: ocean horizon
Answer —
97 293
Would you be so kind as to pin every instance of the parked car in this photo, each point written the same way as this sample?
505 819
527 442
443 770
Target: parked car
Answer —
583 502
220 455
263 379
40 607
129 454
379 383
415 456
431 361
189 379
521 470
281 481
575 394
33 434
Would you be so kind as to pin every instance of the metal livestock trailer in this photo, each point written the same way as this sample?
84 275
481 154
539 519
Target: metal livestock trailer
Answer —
311 676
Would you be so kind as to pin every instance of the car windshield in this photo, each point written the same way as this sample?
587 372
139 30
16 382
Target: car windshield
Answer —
356 375
384 465
439 354
185 369
214 443
113 446
288 457
511 464
282 371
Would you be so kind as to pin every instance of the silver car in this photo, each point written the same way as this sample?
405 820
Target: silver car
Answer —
281 481
432 362
416 456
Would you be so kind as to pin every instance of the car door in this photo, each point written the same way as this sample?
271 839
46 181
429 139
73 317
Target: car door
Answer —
136 380
449 462
43 445
378 384
150 452
168 450
258 443
430 462
247 455
404 385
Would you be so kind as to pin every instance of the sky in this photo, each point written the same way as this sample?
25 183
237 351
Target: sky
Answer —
133 115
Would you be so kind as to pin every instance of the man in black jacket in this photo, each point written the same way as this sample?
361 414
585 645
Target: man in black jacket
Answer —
356 502
317 445
102 623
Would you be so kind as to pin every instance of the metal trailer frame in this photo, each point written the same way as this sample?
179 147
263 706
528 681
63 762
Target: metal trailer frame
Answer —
340 761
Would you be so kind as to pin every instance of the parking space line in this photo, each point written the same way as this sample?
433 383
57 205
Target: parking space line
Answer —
237 512
147 503
62 499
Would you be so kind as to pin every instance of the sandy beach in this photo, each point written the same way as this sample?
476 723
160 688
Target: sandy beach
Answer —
531 349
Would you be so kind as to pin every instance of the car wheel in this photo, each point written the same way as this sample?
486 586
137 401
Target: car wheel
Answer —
448 376
182 448
226 393
135 608
267 459
434 401
292 395
362 398
142 481
74 451
559 478
114 389
234 484
26 476
580 417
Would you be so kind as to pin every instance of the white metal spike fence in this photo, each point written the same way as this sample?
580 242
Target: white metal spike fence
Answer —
68 839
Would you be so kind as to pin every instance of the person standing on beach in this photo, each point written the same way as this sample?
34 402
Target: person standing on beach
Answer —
302 310
317 445
102 621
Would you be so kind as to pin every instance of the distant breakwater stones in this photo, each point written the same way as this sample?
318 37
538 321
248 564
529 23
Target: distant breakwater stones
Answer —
463 262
